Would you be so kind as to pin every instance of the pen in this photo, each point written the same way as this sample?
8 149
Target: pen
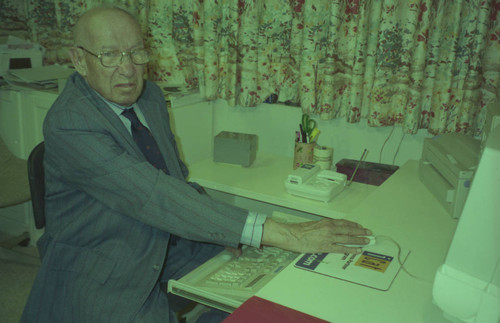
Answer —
304 137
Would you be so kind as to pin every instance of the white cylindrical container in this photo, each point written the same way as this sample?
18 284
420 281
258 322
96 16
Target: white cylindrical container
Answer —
323 157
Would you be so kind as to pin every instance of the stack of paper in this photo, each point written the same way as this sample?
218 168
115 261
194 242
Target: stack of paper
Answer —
43 77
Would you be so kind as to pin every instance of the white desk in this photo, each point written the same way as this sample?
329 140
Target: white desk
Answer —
403 209
264 181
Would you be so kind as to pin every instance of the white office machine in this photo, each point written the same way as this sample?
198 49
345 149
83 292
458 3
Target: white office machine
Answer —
311 182
18 53
446 168
467 285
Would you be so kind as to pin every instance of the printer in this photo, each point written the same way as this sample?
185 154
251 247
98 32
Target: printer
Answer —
446 168
16 53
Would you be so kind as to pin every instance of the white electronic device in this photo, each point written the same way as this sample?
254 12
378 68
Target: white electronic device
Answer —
311 182
467 284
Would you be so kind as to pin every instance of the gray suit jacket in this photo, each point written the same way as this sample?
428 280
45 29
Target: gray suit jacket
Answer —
110 213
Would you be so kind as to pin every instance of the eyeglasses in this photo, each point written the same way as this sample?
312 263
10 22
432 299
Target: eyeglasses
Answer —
114 58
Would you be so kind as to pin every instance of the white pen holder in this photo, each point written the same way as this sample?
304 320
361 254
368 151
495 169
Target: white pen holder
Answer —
323 157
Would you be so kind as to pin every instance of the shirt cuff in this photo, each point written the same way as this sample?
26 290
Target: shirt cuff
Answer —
252 231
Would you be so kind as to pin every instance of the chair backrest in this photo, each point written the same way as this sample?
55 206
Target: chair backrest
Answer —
14 187
36 178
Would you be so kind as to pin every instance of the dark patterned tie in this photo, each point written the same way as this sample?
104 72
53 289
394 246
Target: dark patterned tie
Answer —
144 139
147 143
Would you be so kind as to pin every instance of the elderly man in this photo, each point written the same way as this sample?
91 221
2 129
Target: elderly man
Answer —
121 217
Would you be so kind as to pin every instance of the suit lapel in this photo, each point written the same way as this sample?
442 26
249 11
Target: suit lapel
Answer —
151 110
120 131
152 113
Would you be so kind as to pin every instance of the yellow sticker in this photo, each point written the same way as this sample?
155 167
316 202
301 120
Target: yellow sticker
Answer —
374 261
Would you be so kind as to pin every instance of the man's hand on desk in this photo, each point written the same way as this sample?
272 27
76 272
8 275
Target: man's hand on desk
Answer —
326 235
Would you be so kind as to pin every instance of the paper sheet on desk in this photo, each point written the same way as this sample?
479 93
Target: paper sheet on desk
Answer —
376 267
44 77
42 73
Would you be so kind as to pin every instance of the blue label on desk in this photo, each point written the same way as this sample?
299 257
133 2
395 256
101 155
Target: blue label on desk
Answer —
311 260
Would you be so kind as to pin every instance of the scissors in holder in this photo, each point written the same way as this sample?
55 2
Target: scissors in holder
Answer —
308 125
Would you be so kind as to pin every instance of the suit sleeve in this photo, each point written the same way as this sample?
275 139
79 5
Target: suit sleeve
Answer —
92 159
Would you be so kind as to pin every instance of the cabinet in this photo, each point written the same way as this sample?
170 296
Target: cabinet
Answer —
22 112
21 118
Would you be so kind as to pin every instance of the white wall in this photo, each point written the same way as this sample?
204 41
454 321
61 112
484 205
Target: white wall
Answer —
275 126
192 125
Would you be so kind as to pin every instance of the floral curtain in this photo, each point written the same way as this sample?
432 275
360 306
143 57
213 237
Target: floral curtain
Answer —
430 64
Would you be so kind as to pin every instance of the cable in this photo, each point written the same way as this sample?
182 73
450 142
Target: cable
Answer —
357 166
386 140
401 262
397 150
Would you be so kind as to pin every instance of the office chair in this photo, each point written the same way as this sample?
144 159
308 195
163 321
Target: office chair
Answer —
36 179
14 188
